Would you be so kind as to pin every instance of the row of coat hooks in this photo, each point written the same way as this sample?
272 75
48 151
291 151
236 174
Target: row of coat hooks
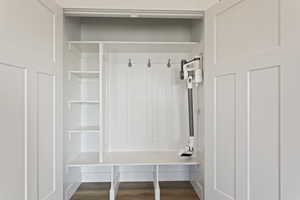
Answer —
149 63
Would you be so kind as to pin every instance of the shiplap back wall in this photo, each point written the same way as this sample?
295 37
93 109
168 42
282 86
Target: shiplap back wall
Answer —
147 107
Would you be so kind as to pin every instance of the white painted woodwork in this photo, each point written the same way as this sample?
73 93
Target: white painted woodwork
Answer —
264 135
225 133
85 130
290 108
43 26
101 115
137 173
71 102
142 112
162 30
14 137
250 83
132 159
171 5
31 108
72 117
119 43
46 135
91 46
115 182
133 118
120 13
156 182
84 74
196 179
243 38
105 46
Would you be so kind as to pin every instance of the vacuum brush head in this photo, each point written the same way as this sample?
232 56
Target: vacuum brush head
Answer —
186 154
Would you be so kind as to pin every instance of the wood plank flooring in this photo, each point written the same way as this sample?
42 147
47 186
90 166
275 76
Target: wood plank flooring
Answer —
136 191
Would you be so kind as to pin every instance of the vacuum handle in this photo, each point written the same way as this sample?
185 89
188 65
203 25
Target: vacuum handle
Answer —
183 62
191 111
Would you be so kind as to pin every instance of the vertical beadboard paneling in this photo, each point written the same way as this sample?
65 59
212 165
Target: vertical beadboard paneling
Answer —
146 106
136 106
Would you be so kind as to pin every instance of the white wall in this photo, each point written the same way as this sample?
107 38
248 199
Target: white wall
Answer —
137 29
139 4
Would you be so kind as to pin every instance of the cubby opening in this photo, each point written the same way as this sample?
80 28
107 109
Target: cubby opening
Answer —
125 104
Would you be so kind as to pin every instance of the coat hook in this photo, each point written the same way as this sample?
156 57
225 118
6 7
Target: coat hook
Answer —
169 63
129 63
149 63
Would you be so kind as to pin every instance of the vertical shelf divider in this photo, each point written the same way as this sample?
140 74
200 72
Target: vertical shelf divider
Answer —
101 117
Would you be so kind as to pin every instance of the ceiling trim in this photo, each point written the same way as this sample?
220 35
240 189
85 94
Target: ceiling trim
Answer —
86 12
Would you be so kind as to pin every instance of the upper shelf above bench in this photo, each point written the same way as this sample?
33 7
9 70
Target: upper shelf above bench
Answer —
83 74
135 46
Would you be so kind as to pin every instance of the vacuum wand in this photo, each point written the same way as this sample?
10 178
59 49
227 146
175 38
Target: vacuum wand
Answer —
192 72
191 112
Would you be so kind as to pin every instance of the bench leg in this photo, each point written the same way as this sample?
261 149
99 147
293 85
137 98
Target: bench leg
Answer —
115 182
156 182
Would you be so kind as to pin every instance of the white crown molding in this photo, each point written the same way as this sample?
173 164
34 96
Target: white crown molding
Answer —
87 12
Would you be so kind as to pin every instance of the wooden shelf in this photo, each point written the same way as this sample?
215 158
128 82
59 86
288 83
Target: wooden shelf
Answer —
137 46
84 130
132 159
84 46
71 102
131 42
83 102
84 74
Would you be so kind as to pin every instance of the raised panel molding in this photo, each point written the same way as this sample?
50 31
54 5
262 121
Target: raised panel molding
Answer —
225 135
14 124
46 136
263 134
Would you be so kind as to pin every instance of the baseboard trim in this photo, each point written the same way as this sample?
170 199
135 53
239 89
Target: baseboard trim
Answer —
198 187
71 189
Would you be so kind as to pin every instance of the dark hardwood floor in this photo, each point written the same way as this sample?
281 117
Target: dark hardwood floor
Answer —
137 191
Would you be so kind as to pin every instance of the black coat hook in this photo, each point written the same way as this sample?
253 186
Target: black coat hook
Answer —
169 63
149 63
129 63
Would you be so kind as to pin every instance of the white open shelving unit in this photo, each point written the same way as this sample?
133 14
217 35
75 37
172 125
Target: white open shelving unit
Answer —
114 159
84 130
72 102
95 46
83 74
131 108
121 158
84 44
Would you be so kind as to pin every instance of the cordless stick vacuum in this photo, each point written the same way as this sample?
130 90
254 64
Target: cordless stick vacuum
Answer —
191 71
